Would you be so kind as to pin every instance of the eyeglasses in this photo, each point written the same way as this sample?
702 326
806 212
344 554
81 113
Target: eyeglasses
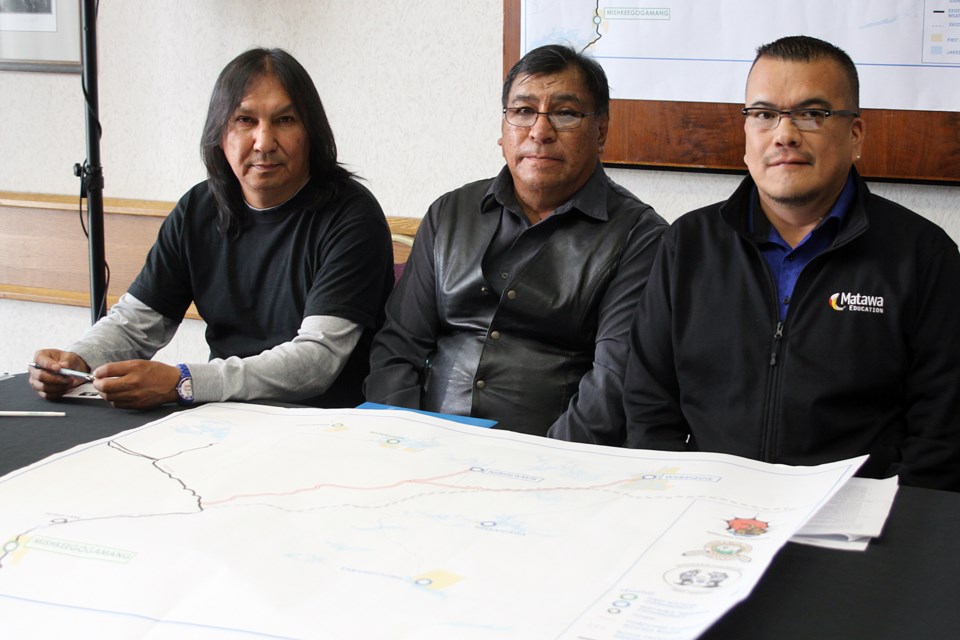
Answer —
804 119
561 120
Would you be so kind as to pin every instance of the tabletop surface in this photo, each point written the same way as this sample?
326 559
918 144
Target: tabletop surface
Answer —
904 585
24 441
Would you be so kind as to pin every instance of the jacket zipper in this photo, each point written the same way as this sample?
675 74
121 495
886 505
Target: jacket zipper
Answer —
777 336
769 429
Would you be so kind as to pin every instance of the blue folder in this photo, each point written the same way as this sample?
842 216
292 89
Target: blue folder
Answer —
475 422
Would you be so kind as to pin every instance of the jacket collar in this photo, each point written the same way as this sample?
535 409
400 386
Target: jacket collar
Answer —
590 200
736 210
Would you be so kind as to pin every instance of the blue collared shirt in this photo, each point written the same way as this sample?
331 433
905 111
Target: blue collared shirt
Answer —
786 262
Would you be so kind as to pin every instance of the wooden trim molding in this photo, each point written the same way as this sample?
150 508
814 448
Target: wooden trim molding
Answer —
43 251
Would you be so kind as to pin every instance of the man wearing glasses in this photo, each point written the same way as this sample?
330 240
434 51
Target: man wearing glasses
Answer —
805 319
517 298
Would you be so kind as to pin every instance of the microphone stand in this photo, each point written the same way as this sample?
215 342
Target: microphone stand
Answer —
91 173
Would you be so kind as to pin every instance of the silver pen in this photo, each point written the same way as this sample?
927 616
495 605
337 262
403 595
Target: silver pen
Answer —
83 375
32 414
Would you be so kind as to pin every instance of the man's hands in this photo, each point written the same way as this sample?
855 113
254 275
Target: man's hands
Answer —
52 385
137 384
130 384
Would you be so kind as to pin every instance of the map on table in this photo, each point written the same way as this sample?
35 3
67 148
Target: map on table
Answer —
236 521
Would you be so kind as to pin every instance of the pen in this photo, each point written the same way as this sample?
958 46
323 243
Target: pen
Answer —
65 372
32 414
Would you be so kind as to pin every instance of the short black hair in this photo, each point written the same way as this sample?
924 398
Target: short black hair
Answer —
554 58
228 93
808 49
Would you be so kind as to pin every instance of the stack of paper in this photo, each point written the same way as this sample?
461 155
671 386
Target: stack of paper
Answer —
852 517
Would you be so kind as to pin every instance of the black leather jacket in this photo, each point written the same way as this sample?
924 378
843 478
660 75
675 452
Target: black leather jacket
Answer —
520 357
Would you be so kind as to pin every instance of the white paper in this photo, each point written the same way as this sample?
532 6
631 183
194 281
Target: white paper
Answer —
907 52
853 516
248 521
84 391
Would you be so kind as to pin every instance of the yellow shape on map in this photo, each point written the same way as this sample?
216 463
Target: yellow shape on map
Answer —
437 579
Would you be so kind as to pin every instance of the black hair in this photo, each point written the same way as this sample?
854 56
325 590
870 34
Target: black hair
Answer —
228 93
554 58
808 49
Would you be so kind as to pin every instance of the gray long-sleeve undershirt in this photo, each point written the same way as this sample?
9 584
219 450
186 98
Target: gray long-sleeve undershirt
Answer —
300 368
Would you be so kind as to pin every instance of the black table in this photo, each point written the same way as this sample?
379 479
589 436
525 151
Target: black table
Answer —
904 586
24 441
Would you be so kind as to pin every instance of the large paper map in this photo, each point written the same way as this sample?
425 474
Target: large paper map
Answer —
239 521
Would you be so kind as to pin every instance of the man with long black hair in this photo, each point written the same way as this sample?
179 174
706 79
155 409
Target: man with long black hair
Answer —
286 256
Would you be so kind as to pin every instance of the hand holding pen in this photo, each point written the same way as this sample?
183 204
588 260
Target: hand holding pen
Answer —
54 372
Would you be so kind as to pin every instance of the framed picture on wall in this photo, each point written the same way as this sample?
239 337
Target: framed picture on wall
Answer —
40 35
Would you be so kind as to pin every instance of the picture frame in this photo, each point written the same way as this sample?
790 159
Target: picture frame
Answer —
40 35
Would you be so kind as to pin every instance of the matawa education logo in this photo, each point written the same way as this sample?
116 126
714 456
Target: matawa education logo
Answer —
846 301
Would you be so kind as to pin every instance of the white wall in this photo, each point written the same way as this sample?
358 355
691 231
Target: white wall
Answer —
411 87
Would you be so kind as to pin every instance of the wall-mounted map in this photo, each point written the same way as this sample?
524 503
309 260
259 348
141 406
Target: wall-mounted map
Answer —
907 51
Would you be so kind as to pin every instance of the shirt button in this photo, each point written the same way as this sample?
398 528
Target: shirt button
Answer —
786 300
495 335
481 384
512 294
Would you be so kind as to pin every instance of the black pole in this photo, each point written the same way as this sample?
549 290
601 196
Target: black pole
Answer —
92 170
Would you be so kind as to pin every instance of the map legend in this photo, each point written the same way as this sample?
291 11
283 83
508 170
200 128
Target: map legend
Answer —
941 32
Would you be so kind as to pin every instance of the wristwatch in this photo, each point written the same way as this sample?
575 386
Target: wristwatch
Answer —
184 387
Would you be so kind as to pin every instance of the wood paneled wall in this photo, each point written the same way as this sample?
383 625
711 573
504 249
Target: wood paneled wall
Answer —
43 251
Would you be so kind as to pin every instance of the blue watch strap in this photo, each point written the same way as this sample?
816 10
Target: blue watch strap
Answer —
185 386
